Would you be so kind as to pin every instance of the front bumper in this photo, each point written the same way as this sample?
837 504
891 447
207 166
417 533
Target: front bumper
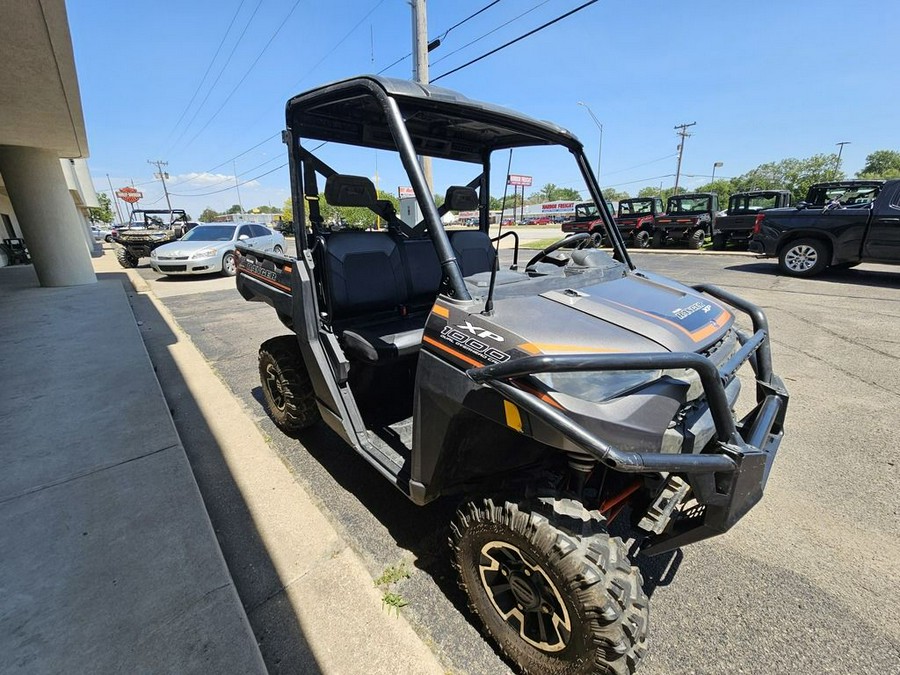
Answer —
187 266
728 474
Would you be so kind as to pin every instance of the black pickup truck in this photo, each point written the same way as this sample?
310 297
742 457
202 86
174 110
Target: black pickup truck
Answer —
689 219
637 219
839 225
744 209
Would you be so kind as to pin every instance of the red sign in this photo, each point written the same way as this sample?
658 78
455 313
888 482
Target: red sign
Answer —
516 179
406 192
129 194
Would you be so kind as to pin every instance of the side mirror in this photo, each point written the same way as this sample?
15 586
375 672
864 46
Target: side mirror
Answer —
243 237
802 205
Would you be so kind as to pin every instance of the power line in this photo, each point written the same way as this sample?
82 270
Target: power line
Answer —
491 32
637 166
230 159
340 42
249 180
446 32
208 68
514 41
219 76
228 179
221 106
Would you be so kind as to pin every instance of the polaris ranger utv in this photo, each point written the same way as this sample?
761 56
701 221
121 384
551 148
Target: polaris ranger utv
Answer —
149 229
689 219
546 400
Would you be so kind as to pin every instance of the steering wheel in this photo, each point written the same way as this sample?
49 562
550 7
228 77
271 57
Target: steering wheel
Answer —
583 239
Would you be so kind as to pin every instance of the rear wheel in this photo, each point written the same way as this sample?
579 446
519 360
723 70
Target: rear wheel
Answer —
278 250
641 239
804 257
719 241
658 239
229 265
596 239
286 386
551 587
696 239
126 259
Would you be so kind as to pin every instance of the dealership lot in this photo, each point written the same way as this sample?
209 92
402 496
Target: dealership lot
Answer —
807 583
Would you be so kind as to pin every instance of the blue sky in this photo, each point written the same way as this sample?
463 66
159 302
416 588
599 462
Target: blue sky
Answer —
763 81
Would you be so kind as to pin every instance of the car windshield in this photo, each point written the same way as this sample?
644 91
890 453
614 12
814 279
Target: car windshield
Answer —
688 204
210 233
632 207
586 211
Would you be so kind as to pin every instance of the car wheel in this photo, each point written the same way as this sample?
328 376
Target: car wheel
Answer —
804 257
108 239
229 265
550 586
658 239
696 239
286 386
641 239
278 250
719 241
125 258
596 239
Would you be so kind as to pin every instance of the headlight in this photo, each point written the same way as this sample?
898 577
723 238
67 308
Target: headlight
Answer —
597 386
153 253
205 253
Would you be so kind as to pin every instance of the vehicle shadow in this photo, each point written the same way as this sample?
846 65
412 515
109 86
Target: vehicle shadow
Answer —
278 631
856 276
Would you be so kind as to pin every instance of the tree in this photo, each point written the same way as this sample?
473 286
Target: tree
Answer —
234 208
881 164
614 195
665 193
552 193
104 212
791 174
287 211
208 215
265 209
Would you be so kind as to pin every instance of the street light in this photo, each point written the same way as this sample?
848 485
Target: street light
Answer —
600 127
716 165
840 151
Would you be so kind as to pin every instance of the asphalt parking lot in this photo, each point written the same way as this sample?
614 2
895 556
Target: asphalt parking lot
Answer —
808 582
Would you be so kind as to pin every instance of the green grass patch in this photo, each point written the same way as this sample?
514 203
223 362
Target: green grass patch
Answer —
393 600
538 244
392 575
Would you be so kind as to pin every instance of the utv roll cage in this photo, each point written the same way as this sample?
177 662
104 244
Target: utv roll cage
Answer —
424 120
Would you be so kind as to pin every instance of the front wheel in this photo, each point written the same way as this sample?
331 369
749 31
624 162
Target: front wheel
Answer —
229 265
126 259
596 239
803 257
641 239
278 250
551 587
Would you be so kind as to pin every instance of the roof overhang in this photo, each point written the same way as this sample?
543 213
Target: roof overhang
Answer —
40 103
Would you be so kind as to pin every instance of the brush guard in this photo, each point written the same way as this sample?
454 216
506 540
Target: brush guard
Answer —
728 477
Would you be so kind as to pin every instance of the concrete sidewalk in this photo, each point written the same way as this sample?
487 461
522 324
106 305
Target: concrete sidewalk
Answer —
311 601
109 562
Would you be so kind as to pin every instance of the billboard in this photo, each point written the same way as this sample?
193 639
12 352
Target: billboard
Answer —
518 180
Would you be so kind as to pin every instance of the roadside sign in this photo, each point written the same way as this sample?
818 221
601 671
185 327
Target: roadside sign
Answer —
518 180
406 192
129 194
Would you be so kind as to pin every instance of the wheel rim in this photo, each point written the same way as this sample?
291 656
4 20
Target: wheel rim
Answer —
278 250
524 596
642 239
801 258
273 384
228 264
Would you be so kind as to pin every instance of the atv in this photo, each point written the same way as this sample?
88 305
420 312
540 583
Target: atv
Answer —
148 229
689 219
546 401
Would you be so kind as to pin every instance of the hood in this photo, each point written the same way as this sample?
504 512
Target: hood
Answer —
186 248
635 313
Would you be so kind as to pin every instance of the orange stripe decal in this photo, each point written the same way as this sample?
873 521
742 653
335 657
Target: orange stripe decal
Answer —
441 311
451 351
549 347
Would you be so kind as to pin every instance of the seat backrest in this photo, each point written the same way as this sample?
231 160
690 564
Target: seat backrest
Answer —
474 251
363 274
423 270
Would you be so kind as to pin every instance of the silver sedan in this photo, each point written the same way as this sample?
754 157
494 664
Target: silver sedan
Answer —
210 248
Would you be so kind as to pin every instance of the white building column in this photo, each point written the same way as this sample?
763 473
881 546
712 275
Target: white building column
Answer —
47 216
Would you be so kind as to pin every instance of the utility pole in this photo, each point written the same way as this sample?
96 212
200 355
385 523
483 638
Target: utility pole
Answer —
162 175
115 199
840 152
600 146
684 134
420 65
236 184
